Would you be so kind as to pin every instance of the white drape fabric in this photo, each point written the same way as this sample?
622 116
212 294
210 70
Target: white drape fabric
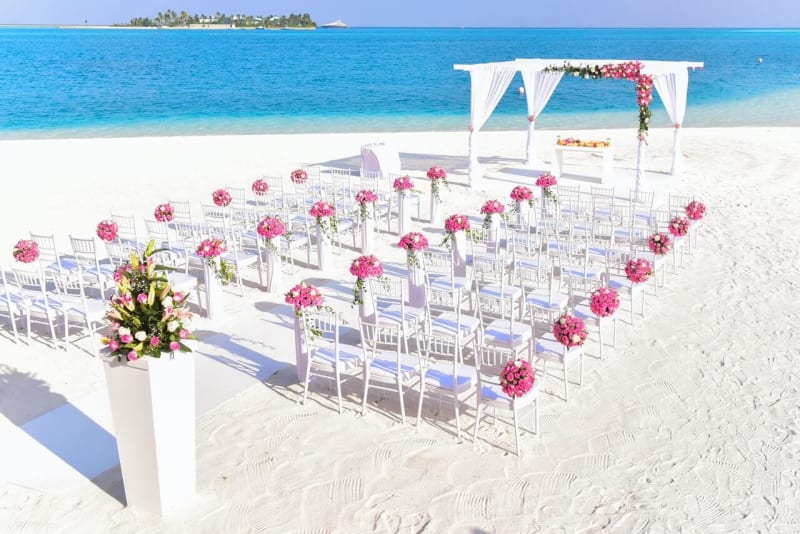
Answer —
673 87
380 159
488 85
640 157
539 87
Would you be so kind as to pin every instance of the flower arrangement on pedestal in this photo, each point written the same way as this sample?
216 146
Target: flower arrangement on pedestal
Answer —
521 194
570 331
638 270
412 243
107 230
489 208
679 226
659 243
454 224
435 175
146 315
402 185
517 378
362 268
26 251
221 198
604 302
270 228
302 297
325 214
365 198
210 250
546 181
164 213
260 187
695 210
299 176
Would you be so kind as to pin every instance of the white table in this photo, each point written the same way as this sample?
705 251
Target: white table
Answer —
607 152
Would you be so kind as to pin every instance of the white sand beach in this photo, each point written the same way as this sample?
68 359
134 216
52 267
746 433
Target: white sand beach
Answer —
689 424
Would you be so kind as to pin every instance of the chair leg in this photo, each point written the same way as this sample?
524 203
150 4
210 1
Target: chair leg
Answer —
402 400
366 388
339 388
536 415
458 422
580 380
516 424
478 410
307 380
421 396
600 335
566 383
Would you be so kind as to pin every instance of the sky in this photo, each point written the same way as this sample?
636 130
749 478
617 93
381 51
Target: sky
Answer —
433 13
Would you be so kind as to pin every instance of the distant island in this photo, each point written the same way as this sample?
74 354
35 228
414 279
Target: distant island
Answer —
172 19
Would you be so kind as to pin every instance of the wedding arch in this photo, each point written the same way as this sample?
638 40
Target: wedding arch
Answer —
489 82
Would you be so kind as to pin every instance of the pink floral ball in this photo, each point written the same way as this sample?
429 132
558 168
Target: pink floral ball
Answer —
365 267
517 378
570 331
221 198
604 302
638 270
26 251
260 187
164 213
107 230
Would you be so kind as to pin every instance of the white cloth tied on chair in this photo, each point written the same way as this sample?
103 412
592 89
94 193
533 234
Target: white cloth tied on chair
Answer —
381 159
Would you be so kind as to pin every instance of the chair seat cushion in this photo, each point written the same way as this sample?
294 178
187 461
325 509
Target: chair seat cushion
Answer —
543 299
386 364
621 282
501 292
497 333
492 394
440 376
443 282
350 356
393 315
548 348
451 323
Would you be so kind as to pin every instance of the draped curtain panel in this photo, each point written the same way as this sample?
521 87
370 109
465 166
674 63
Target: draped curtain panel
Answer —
539 87
488 86
673 87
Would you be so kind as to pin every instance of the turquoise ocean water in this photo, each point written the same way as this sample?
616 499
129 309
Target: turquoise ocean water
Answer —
57 83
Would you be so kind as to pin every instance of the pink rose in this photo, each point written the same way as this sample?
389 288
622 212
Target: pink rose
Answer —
132 356
174 346
127 338
113 345
154 341
142 298
183 334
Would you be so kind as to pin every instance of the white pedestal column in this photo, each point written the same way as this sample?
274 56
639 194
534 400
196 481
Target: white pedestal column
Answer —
416 286
522 215
366 309
436 209
493 234
323 249
213 290
300 349
459 243
152 404
367 235
274 270
404 214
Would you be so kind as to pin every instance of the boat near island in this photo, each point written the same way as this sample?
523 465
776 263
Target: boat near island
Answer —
335 24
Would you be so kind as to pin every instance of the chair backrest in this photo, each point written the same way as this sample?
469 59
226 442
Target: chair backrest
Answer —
490 361
388 292
182 211
439 346
48 253
677 204
321 326
29 280
71 284
126 227
118 253
489 270
437 261
642 199
377 336
158 231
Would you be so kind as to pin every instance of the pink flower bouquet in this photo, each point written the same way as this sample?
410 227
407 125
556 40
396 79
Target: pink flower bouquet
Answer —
453 224
521 194
26 251
659 243
270 228
679 226
299 176
489 208
303 296
638 270
362 268
412 243
209 249
107 230
546 181
695 210
570 330
164 213
604 302
403 184
517 378
363 198
435 175
221 198
322 209
260 187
